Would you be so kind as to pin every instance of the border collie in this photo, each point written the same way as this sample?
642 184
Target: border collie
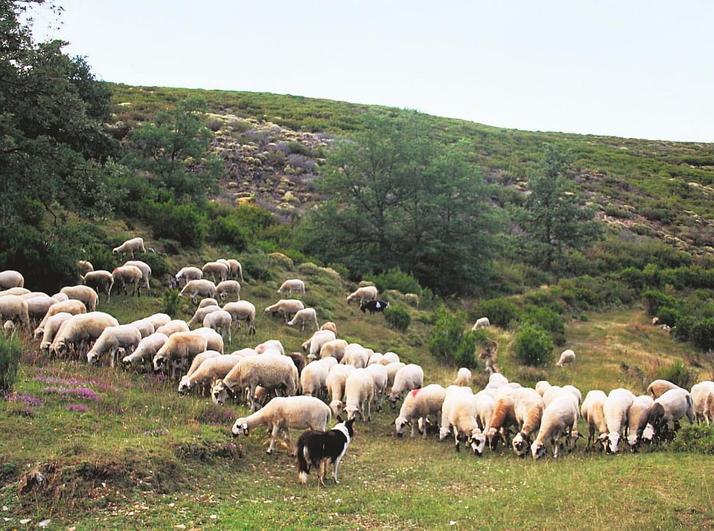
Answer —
317 448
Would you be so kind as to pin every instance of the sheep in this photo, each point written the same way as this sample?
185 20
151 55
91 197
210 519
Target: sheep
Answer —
79 329
111 338
485 404
82 293
660 387
449 399
616 406
503 417
335 384
128 279
144 326
334 348
200 313
554 391
72 307
199 359
144 268
637 417
379 375
356 355
375 358
145 350
392 370
214 339
207 302
11 279
463 377
198 288
217 270
38 306
50 331
100 281
8 328
481 322
158 320
84 267
180 348
299 361
271 371
283 413
226 288
389 357
412 299
313 379
173 327
313 345
15 291
702 396
418 405
285 307
130 246
365 293
407 378
220 321
213 368
242 311
292 285
60 297
306 315
270 345
670 407
235 269
528 409
14 308
458 416
329 325
593 413
359 394
187 274
559 419
566 357
542 386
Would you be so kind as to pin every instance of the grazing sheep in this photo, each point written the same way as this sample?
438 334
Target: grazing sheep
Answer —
407 378
292 285
313 345
660 387
418 406
242 311
463 377
560 418
82 293
379 375
375 358
593 412
616 406
359 394
14 308
217 270
485 404
187 274
554 391
270 345
200 313
541 387
637 419
158 320
702 397
52 326
481 322
306 315
313 379
670 407
503 417
72 307
392 370
412 299
145 350
356 355
60 297
528 409
173 327
111 339
179 349
363 294
134 245
199 359
389 357
235 269
220 321
144 268
214 339
11 279
8 328
80 330
334 348
38 306
84 267
283 413
128 278
214 367
198 288
286 308
335 384
100 281
144 326
299 361
227 288
207 302
450 395
329 325
566 357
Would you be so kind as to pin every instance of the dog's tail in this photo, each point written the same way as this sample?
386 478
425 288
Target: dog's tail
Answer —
303 457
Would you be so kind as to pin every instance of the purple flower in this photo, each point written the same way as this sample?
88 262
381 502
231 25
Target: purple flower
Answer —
79 392
79 408
28 400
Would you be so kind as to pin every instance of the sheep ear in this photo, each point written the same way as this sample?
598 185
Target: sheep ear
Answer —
339 418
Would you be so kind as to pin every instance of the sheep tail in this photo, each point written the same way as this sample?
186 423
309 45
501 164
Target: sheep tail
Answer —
303 455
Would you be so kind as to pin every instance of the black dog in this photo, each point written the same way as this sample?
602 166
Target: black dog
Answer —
317 448
374 306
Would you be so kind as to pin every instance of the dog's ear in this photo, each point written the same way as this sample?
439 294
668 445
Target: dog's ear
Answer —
350 422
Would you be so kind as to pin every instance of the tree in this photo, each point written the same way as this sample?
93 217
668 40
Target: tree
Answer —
553 219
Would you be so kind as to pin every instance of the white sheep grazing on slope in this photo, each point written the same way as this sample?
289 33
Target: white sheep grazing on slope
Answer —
270 344
418 406
180 348
198 288
542 386
235 269
659 387
313 345
375 358
392 370
286 308
187 274
100 281
219 321
528 408
200 313
128 279
334 348
82 293
217 270
38 306
313 379
111 339
637 417
145 350
72 307
84 267
242 311
306 315
79 330
213 367
158 320
593 413
14 308
359 394
214 340
449 398
379 375
283 413
481 322
560 418
356 355
670 407
292 285
363 294
407 378
173 327
144 326
11 279
463 377
51 327
616 406
134 245
144 268
228 288
335 384
485 405
703 399
566 357
459 417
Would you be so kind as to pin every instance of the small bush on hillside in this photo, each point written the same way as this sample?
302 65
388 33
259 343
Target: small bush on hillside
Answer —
10 350
158 264
678 374
683 329
448 341
533 346
697 438
257 267
171 302
500 312
396 279
546 319
655 299
101 257
669 316
397 317
184 223
702 334
227 230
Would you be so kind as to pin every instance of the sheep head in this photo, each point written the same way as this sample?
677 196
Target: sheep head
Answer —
538 450
240 428
399 424
477 442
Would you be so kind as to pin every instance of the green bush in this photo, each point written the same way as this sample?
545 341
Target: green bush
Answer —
678 374
655 299
397 317
171 302
697 438
500 312
396 279
158 264
533 346
448 341
546 319
702 334
257 267
227 230
10 350
184 223
669 316
465 353
683 329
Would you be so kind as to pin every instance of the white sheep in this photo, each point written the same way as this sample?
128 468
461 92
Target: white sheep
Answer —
220 321
84 267
392 370
659 387
463 377
306 315
670 407
52 326
217 270
82 293
481 322
145 350
313 345
335 384
334 348
593 413
72 307
458 416
566 357
270 345
128 279
134 245
286 308
637 417
187 274
228 288
207 302
313 379
200 313
528 407
213 338
60 297
198 288
356 355
179 349
79 330
214 367
542 386
359 394
702 398
111 339
242 311
292 285
158 320
380 377
407 378
14 308
235 269
173 327
390 357
485 404
560 419
329 325
38 306
144 326
100 281
283 413
616 406
418 406
145 270
375 358
11 279
365 293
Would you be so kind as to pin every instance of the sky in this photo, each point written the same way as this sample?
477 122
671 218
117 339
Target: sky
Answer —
629 68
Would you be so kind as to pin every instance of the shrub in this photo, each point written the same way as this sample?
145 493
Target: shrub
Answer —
158 264
697 438
678 374
396 279
397 317
448 341
548 320
702 334
464 355
227 230
10 350
655 299
257 267
101 257
500 312
171 302
669 316
533 346
184 223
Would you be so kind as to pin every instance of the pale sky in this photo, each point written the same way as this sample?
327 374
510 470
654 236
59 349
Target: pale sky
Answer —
635 68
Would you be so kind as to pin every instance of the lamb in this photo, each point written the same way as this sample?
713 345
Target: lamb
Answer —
616 406
637 420
670 407
283 413
51 327
329 325
389 357
130 247
356 355
80 329
392 370
220 321
365 293
335 384
217 270
200 314
128 278
173 327
566 357
82 293
285 307
541 387
702 398
481 322
198 288
270 345
214 339
180 347
158 320
313 345
227 288
242 311
379 375
213 368
72 307
560 418
313 379
14 308
418 405
145 350
111 338
306 315
84 267
463 377
292 285
11 279
100 281
407 378
660 387
144 326
334 348
359 394
528 409
593 412
187 274
144 268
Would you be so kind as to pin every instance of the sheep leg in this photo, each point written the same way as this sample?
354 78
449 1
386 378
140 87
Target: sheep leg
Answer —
273 435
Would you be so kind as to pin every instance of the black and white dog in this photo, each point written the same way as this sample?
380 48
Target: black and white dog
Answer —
374 306
317 448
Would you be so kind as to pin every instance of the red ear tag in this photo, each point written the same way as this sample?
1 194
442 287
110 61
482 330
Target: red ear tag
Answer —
415 391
